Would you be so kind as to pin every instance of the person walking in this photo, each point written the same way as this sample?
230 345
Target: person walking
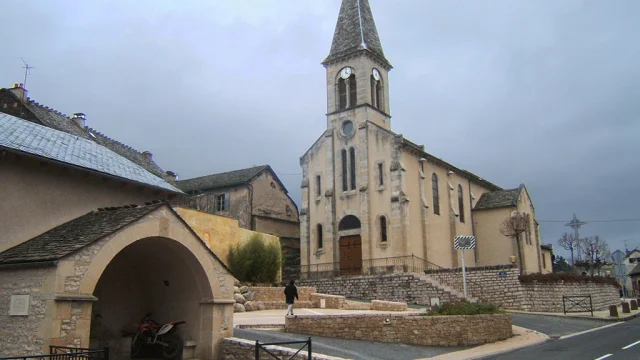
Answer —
290 292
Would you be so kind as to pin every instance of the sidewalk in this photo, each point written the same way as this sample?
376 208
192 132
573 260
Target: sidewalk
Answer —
521 338
265 318
602 315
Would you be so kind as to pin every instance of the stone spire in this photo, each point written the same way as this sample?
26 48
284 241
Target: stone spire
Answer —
355 31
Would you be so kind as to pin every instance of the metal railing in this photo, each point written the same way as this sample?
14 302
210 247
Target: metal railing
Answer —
67 353
574 304
379 266
261 346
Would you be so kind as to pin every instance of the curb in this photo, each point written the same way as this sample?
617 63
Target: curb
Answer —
505 351
607 319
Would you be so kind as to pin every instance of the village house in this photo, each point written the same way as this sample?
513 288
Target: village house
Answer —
88 234
369 193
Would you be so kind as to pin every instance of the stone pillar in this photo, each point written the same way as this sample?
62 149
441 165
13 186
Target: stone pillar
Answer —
214 327
362 167
71 325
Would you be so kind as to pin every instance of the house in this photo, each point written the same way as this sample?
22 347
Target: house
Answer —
369 193
256 198
547 258
87 233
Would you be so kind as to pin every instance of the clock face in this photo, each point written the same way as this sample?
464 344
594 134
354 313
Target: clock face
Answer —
376 74
345 73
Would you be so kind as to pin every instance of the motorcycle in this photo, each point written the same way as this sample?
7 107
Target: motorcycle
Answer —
149 332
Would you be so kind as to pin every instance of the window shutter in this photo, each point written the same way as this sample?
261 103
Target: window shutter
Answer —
226 202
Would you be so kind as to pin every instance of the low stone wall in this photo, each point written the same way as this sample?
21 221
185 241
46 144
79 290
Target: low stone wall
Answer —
282 305
330 301
547 297
412 329
240 349
406 287
380 305
270 294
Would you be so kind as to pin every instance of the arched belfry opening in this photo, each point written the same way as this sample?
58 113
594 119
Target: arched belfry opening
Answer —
350 246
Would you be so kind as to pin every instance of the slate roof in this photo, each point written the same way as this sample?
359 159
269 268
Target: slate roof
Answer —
220 180
75 234
54 119
355 30
28 137
546 246
498 199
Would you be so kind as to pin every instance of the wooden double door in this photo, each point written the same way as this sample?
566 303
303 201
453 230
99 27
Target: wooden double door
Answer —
351 255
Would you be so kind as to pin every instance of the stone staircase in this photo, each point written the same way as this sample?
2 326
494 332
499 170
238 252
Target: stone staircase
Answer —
445 291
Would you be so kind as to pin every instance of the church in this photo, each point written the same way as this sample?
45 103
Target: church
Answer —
370 195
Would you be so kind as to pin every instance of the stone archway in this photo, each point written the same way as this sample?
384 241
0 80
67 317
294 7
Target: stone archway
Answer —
350 246
158 264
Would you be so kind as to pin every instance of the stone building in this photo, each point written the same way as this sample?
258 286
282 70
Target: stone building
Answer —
75 249
256 198
547 258
370 193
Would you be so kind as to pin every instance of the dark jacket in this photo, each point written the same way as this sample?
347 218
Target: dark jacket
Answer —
289 292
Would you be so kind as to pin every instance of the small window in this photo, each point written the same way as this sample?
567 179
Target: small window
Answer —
461 203
345 180
222 202
436 196
318 185
288 211
352 159
383 229
347 128
273 185
380 174
319 235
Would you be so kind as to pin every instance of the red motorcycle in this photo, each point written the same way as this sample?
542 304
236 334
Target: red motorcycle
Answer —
149 333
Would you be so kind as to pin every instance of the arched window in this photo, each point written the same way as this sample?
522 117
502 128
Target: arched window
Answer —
345 180
436 196
319 235
353 91
376 93
349 222
342 93
383 229
352 160
460 203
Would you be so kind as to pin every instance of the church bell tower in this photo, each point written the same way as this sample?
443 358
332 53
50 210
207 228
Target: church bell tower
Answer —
357 70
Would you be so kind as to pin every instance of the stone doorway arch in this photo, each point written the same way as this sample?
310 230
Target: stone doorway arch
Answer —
350 244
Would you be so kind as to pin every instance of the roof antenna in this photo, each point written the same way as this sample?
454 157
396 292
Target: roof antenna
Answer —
27 71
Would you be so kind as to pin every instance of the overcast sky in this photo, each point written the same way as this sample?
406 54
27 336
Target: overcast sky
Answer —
538 92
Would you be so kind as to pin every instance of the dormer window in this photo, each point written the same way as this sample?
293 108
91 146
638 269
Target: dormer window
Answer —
347 89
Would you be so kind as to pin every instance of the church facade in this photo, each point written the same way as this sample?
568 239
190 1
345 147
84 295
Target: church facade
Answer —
369 193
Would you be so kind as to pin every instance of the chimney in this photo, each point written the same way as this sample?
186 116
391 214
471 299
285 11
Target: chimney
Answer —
148 155
80 119
173 175
19 91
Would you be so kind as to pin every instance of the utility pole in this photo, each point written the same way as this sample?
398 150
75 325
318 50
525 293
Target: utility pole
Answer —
575 224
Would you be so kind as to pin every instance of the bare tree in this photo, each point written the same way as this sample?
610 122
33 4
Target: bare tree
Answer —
570 243
512 227
596 252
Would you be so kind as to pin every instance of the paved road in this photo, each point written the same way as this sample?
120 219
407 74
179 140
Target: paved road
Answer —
352 349
555 326
618 342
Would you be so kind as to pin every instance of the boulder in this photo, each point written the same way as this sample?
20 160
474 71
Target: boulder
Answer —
236 290
244 289
236 282
238 308
239 299
260 305
251 306
250 296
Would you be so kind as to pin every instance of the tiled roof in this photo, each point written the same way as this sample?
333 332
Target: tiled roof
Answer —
355 31
56 120
75 234
31 138
498 199
226 179
635 271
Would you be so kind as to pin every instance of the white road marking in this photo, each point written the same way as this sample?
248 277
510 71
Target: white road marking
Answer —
604 357
630 345
588 331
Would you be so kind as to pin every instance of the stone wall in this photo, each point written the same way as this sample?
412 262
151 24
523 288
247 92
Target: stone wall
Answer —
269 294
240 349
380 305
407 287
412 329
22 335
546 297
330 301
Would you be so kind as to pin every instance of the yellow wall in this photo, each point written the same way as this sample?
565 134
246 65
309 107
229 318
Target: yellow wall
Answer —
547 265
219 233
